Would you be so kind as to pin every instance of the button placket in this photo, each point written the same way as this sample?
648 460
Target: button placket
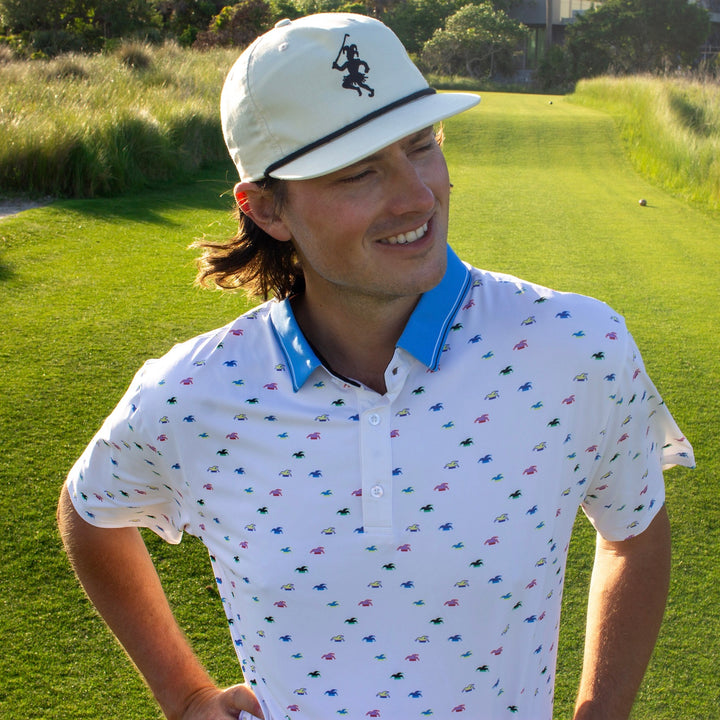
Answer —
376 469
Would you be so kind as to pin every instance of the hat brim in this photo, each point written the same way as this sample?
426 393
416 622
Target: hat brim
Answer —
375 135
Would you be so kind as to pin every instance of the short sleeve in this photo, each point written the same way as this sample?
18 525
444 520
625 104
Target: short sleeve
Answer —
123 479
639 440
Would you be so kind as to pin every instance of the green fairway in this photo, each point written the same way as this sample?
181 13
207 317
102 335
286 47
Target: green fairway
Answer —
90 289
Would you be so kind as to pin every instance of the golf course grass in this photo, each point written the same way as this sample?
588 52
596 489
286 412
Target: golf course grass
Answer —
91 288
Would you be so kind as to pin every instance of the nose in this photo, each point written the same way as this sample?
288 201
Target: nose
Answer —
411 190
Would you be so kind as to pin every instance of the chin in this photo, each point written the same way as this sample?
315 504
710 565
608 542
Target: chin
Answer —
431 277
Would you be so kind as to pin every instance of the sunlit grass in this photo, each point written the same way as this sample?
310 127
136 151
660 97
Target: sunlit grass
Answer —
670 128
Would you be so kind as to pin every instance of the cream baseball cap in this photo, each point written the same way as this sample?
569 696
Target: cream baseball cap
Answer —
316 94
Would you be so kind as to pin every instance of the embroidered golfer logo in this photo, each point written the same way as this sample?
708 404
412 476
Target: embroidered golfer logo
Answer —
356 68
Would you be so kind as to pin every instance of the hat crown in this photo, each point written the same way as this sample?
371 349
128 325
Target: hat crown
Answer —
307 82
307 78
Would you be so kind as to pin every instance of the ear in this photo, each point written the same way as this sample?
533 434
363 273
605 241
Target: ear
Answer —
259 206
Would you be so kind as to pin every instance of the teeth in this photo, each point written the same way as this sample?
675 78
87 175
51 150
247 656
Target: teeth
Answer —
408 237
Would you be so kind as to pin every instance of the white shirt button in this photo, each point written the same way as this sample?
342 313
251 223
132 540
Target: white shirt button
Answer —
374 419
377 491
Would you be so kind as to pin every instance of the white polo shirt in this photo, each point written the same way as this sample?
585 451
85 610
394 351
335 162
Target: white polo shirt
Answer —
398 556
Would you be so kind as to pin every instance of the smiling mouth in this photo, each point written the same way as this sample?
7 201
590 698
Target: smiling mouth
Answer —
406 238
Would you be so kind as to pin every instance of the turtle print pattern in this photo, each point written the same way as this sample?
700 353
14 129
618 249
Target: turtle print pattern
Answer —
396 556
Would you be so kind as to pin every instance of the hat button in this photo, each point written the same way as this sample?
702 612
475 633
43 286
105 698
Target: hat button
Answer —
283 22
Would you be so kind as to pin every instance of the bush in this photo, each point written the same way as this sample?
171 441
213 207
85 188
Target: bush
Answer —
62 26
49 43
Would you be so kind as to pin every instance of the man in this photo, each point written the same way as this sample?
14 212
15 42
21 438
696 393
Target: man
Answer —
385 462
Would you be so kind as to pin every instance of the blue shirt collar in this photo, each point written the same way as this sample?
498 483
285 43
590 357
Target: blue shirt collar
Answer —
423 337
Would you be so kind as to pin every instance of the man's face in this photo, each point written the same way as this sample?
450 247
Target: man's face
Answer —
377 230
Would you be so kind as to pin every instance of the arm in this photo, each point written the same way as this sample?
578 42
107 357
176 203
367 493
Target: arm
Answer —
119 577
628 591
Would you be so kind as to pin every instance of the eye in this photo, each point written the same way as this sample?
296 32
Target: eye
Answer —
424 146
357 177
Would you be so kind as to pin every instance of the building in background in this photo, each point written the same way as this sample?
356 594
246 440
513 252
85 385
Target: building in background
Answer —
548 20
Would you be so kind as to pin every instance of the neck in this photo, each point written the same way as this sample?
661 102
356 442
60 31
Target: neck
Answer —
358 341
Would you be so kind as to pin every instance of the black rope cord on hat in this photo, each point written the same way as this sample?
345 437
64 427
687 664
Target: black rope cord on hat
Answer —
347 128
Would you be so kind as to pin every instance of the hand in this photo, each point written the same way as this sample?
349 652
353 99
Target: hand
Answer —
216 704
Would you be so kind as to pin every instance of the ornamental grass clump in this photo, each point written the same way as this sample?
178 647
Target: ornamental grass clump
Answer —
83 126
67 67
135 55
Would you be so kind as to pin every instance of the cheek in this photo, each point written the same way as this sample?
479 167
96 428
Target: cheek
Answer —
325 227
439 177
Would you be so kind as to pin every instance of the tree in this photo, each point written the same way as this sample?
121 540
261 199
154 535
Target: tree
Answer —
236 25
636 36
379 8
183 19
116 19
17 16
54 26
554 72
477 41
414 21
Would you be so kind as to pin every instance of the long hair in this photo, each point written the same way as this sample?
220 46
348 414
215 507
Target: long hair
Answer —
252 260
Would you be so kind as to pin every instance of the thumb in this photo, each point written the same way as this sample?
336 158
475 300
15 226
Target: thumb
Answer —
239 698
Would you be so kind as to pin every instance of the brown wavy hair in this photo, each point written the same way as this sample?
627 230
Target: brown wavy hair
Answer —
252 260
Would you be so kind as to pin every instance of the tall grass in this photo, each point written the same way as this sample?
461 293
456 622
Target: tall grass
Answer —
84 126
670 128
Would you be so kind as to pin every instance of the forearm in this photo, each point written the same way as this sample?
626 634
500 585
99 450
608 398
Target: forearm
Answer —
628 592
119 577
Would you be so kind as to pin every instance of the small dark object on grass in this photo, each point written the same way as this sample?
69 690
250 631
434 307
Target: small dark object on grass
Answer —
642 202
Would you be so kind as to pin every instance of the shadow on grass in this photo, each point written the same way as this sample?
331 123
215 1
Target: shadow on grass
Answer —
6 272
209 190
